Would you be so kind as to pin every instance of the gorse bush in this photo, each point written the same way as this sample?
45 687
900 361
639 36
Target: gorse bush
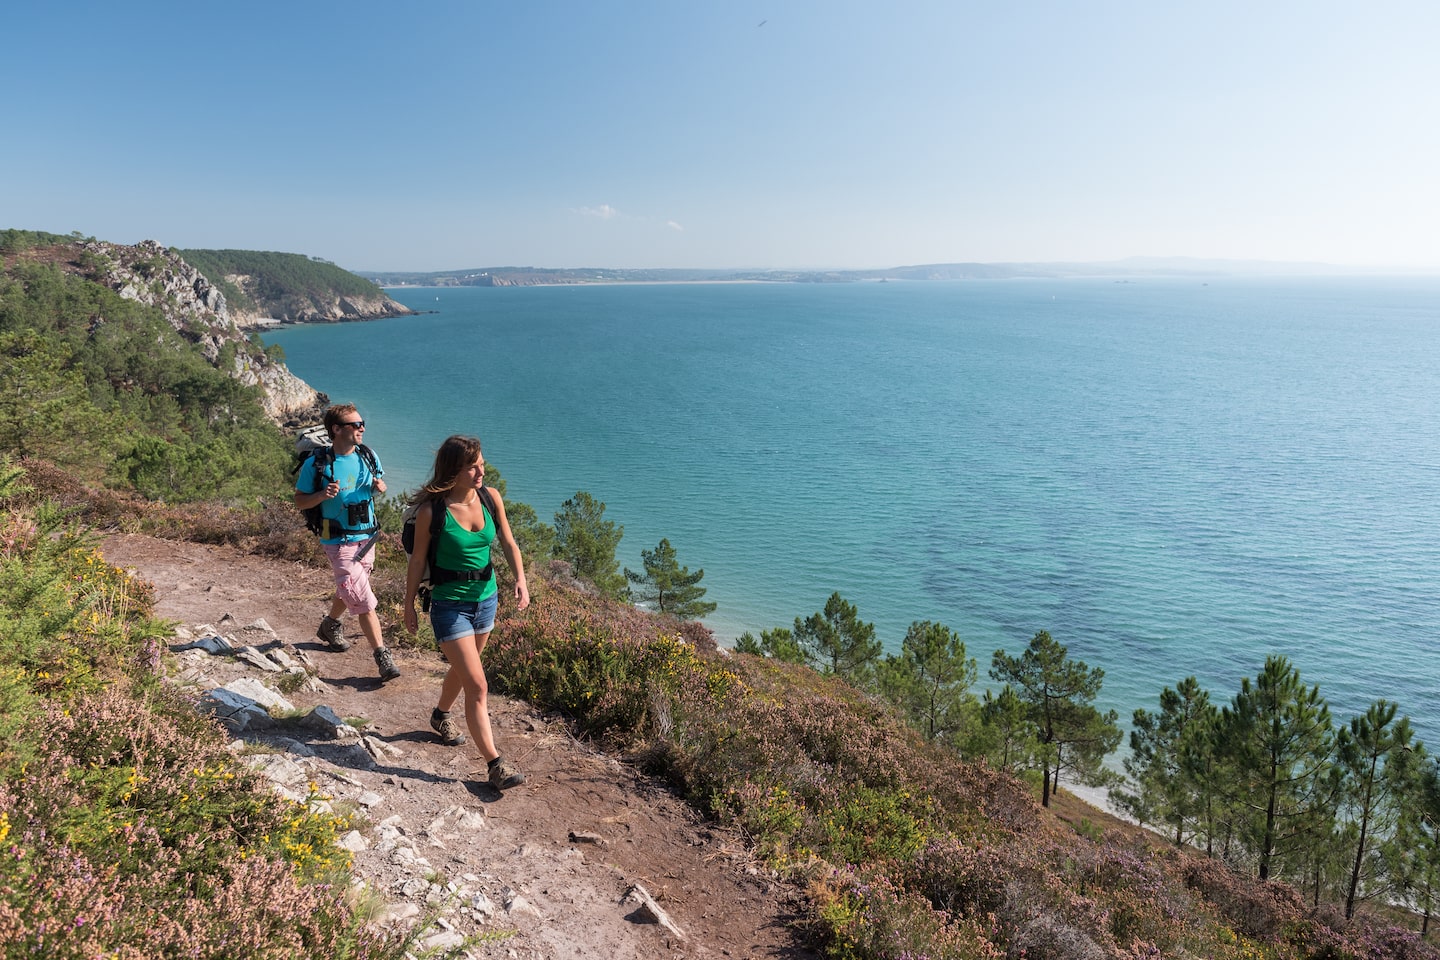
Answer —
64 613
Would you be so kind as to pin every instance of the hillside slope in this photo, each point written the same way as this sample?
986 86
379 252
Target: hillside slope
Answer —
549 863
159 277
264 287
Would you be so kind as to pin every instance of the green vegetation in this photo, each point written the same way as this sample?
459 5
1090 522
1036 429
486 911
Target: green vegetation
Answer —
667 586
930 682
109 782
587 541
778 644
899 800
107 387
907 851
1058 694
279 282
1169 763
837 642
17 241
1269 784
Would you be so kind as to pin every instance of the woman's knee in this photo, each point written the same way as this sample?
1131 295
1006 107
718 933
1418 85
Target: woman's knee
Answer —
472 682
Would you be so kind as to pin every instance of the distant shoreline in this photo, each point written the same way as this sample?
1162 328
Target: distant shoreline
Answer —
590 283
1136 268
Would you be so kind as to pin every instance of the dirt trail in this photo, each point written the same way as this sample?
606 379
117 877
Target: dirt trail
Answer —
539 872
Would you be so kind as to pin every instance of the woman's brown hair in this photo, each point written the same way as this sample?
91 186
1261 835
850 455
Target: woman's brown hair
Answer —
454 455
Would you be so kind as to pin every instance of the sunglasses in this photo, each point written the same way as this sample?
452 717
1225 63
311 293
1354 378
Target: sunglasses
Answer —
357 424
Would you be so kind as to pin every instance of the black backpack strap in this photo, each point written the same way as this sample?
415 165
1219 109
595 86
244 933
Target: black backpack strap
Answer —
368 456
437 523
324 457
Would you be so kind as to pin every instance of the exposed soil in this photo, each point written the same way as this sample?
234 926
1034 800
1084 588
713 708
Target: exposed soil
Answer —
538 872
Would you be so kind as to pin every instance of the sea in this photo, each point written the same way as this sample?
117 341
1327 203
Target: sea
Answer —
1173 477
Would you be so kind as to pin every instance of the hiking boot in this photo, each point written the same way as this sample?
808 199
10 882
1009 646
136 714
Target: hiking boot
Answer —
447 726
386 663
331 633
503 776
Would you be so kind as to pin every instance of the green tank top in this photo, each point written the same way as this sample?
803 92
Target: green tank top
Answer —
461 549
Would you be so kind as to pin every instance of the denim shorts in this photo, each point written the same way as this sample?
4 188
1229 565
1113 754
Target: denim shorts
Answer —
453 619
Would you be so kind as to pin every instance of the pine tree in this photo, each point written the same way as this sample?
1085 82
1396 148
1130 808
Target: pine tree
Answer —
1059 693
1164 791
587 541
1370 752
1412 855
778 644
673 589
838 642
930 680
1011 742
1277 732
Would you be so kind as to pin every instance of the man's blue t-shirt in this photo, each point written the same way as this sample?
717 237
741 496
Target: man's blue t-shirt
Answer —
356 486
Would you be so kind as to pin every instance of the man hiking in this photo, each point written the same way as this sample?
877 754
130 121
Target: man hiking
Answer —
342 480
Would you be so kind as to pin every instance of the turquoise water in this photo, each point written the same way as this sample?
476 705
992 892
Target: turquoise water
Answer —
1171 477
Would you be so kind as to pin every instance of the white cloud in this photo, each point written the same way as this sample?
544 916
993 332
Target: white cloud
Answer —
674 226
604 211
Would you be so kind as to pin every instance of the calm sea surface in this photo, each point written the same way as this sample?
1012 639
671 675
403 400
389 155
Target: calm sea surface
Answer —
1172 477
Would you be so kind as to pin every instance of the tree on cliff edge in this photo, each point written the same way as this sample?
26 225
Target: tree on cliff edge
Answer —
1059 693
930 680
587 541
836 641
671 588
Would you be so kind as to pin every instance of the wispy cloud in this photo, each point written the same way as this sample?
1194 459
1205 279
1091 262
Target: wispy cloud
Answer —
674 226
604 211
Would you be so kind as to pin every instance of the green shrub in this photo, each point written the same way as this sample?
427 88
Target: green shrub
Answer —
126 828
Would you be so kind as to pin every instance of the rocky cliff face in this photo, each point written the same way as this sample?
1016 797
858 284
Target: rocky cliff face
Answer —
148 273
311 309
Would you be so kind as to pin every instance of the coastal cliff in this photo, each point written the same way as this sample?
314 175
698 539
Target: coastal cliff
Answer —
264 288
317 309
155 276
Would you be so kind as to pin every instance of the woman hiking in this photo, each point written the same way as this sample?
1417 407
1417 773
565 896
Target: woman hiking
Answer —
464 596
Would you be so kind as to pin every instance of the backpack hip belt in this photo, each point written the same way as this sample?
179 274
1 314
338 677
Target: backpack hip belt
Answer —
439 575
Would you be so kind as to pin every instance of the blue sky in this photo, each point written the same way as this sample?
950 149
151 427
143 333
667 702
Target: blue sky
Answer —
787 133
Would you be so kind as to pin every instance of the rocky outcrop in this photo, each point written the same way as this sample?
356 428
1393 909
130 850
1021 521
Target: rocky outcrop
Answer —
150 274
311 308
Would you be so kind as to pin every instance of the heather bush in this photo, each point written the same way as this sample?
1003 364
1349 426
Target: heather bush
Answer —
909 851
1253 907
1099 895
120 766
866 914
126 828
129 828
604 664
60 903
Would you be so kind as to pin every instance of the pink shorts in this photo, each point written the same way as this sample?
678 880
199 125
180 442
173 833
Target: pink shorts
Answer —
352 577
